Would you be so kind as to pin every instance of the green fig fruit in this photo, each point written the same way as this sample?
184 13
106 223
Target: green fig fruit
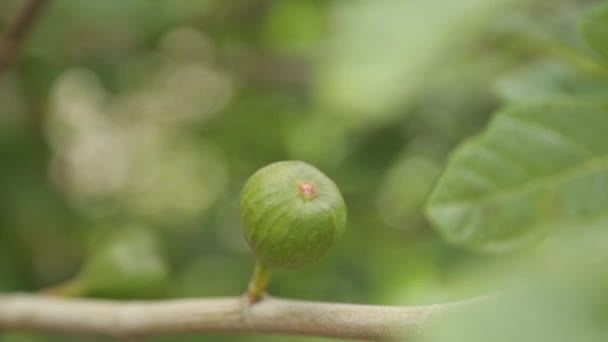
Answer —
127 264
291 214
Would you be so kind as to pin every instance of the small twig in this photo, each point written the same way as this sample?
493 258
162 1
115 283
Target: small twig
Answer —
16 33
134 320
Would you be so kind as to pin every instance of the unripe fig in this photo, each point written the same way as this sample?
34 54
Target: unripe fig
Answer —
291 214
127 264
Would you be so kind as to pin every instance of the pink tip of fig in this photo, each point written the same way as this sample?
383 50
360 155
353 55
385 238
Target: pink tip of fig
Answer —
307 190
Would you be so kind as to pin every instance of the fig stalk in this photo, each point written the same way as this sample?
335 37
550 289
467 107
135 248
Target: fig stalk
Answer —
71 288
259 282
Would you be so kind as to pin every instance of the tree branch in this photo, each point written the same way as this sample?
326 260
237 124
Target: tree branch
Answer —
17 32
135 319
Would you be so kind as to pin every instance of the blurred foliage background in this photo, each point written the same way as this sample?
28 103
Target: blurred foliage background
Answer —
127 129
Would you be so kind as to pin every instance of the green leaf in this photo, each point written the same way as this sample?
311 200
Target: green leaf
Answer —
545 80
536 167
555 295
381 54
595 29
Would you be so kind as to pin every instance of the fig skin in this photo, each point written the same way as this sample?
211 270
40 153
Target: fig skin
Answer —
291 214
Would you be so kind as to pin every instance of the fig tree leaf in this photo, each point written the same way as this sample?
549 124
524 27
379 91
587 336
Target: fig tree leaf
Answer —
547 80
536 167
595 29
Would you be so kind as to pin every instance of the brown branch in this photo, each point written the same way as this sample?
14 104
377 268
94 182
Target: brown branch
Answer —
129 320
17 31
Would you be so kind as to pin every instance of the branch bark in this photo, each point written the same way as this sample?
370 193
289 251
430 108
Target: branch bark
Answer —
17 32
136 319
